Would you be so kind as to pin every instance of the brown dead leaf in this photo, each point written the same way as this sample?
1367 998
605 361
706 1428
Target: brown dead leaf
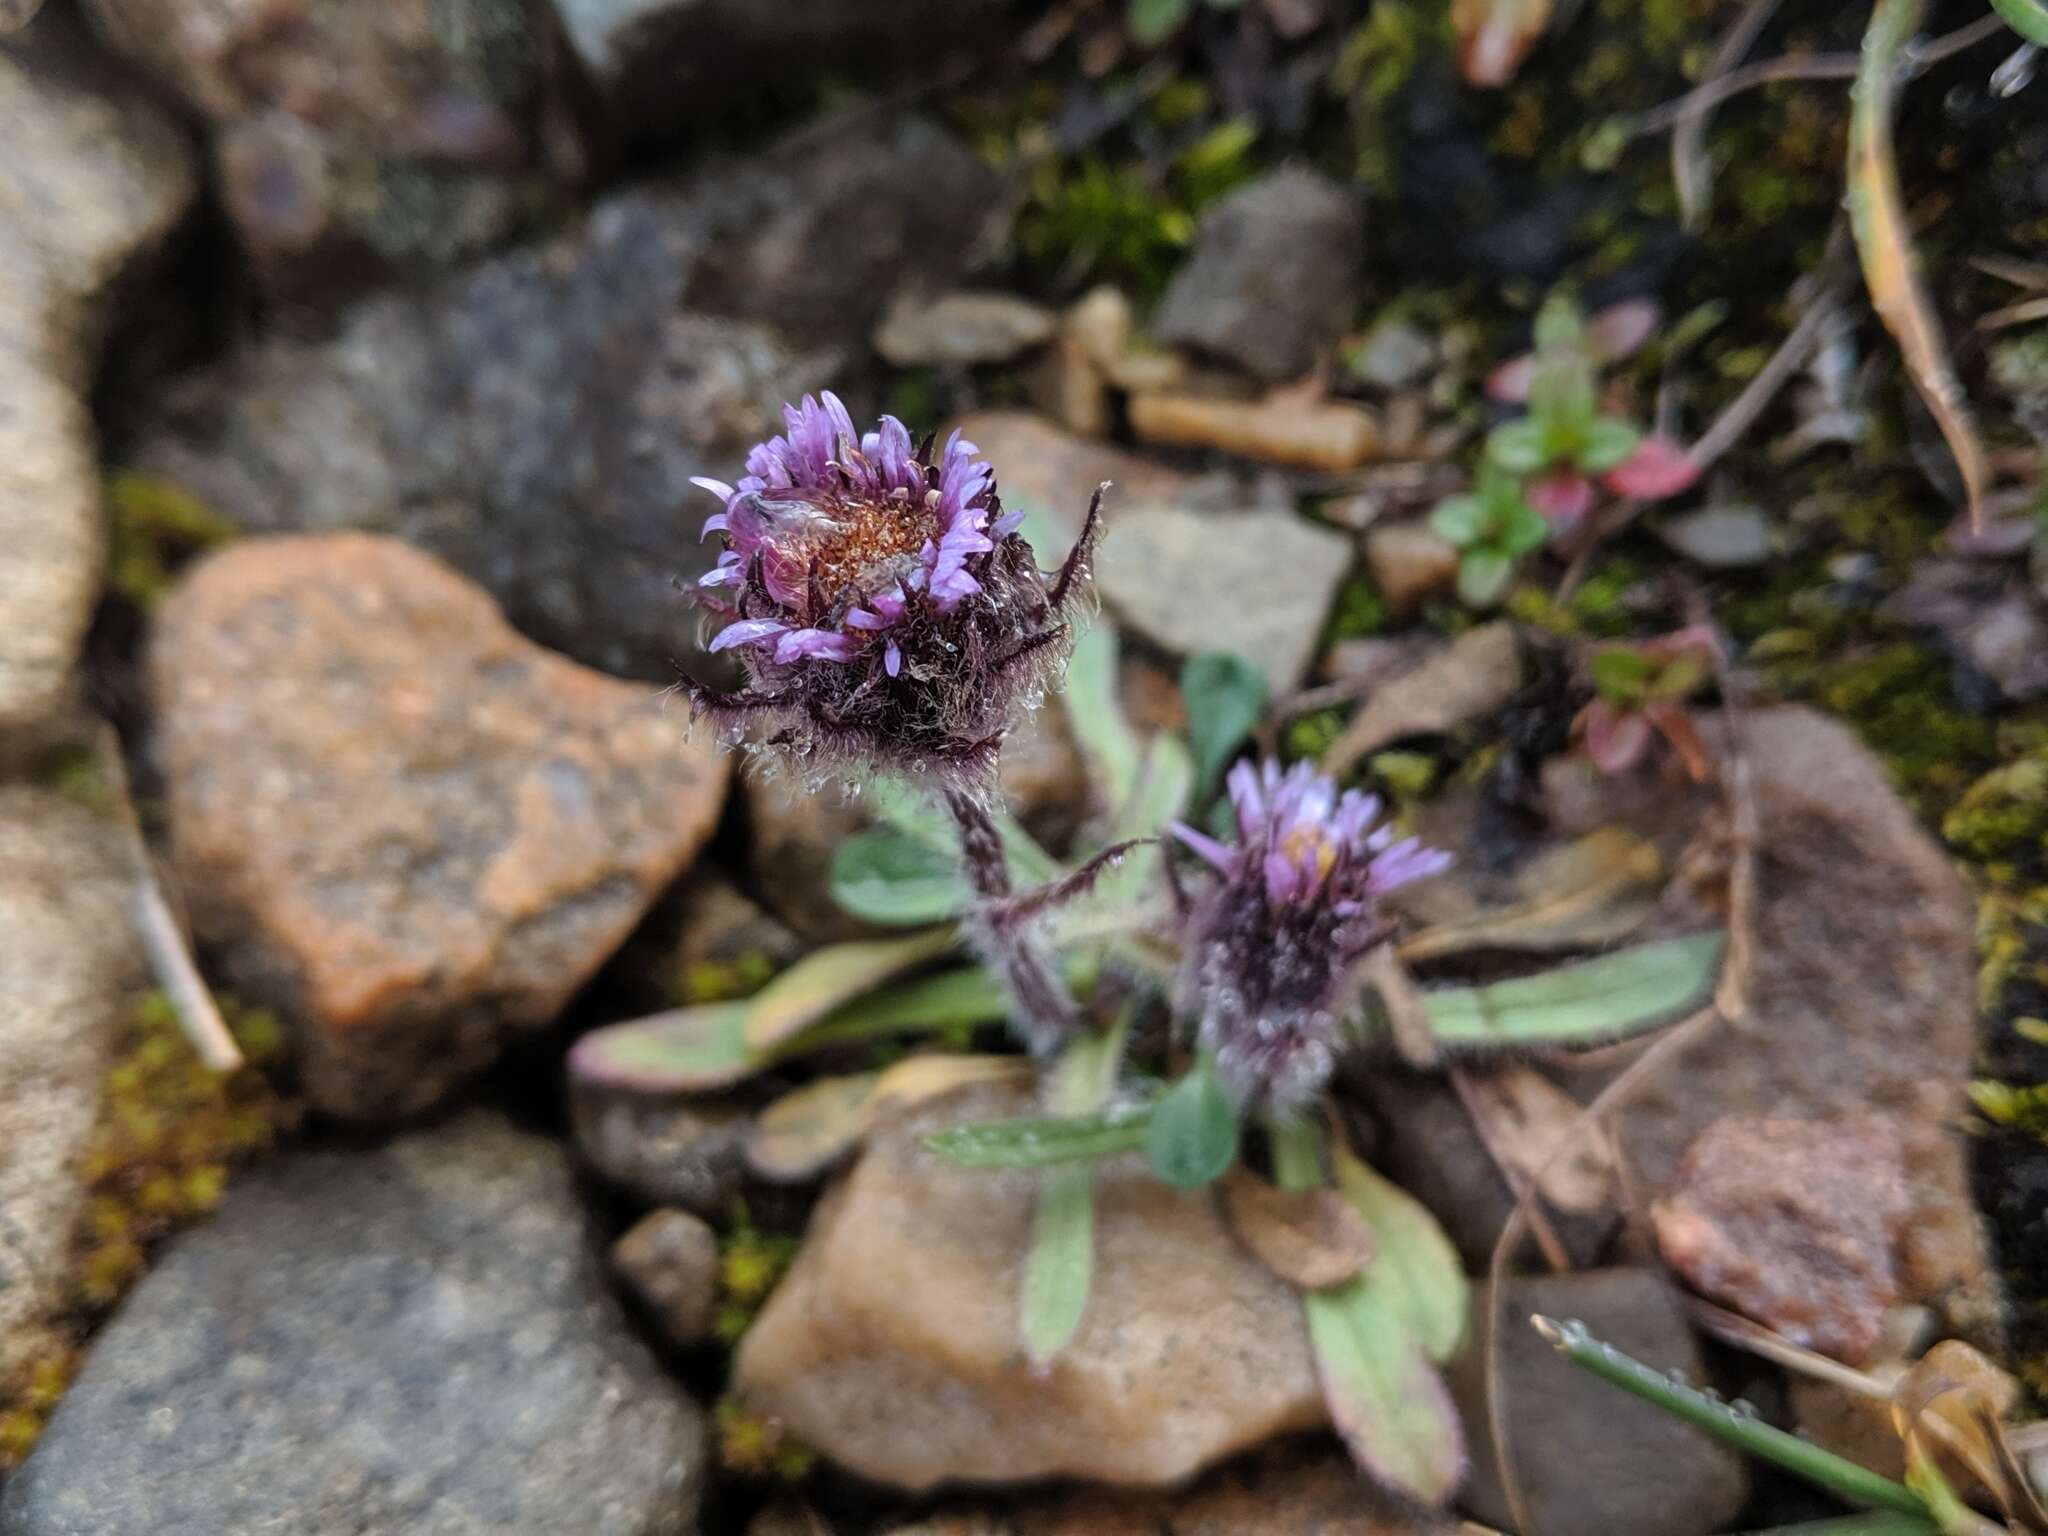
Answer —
1950 1403
1593 891
1330 435
1311 1238
806 1131
1527 1117
1407 1016
1473 675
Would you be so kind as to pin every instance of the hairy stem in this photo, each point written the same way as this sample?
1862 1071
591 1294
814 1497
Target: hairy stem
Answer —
1045 1010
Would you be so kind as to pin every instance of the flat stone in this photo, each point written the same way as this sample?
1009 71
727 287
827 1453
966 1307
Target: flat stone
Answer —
662 1149
1275 275
961 328
668 1259
93 179
892 1345
1720 538
1592 1460
1395 355
418 1338
536 419
1862 997
70 969
1409 563
354 146
411 831
1793 1223
1254 583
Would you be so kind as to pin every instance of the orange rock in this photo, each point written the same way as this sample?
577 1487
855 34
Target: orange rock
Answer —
412 830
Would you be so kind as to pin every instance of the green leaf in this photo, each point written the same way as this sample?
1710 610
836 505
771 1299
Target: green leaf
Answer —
1620 673
685 1049
1483 574
1519 446
837 974
1744 1431
1109 746
1059 1271
1459 520
1225 696
1416 1271
885 876
2029 18
1372 1337
1607 442
1605 998
1153 21
917 815
1044 1142
1522 529
1559 325
1192 1140
947 1000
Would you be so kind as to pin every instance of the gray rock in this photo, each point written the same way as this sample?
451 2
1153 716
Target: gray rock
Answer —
669 1261
92 180
69 970
1721 538
1997 625
704 939
1274 278
1256 583
353 144
662 1149
1394 356
536 421
961 328
660 65
415 1339
1592 1460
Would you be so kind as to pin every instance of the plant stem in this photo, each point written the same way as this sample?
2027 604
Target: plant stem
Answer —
1045 1010
1297 1153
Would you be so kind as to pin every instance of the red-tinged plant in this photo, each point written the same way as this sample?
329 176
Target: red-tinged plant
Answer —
1641 691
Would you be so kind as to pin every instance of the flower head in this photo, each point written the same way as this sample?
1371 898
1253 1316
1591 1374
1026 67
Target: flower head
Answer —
885 609
1272 946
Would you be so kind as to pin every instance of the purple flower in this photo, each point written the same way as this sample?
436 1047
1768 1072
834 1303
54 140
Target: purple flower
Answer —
1271 950
884 608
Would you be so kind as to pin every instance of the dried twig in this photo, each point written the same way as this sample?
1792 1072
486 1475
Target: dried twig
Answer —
170 957
1691 170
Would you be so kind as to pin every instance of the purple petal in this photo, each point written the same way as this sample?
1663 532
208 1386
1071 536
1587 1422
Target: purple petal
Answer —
747 632
717 488
892 659
816 644
717 522
1219 854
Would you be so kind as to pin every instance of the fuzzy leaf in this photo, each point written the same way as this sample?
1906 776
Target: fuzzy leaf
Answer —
1459 520
1386 1401
1483 575
827 978
1225 696
1060 1269
885 876
1192 1139
685 1049
1109 746
1044 1142
806 1131
1601 999
915 813
2029 18
1416 1273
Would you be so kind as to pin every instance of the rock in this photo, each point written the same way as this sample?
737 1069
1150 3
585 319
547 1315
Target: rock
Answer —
962 328
704 940
892 1345
1593 1460
669 1261
1329 435
1793 1223
536 421
69 971
1720 538
1997 626
416 1338
1394 356
1291 1490
1274 279
680 1150
660 65
1409 562
93 179
411 831
349 146
1862 993
1467 678
1254 583
1041 467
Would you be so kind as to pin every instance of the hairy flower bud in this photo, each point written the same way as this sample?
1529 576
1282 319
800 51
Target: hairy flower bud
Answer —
1271 946
886 611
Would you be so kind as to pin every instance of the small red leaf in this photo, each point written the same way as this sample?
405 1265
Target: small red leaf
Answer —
1658 468
1563 497
1615 739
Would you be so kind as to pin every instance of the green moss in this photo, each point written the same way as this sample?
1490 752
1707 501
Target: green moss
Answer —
718 981
2004 814
750 1263
1359 611
756 1447
154 525
1313 734
1898 698
170 1130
